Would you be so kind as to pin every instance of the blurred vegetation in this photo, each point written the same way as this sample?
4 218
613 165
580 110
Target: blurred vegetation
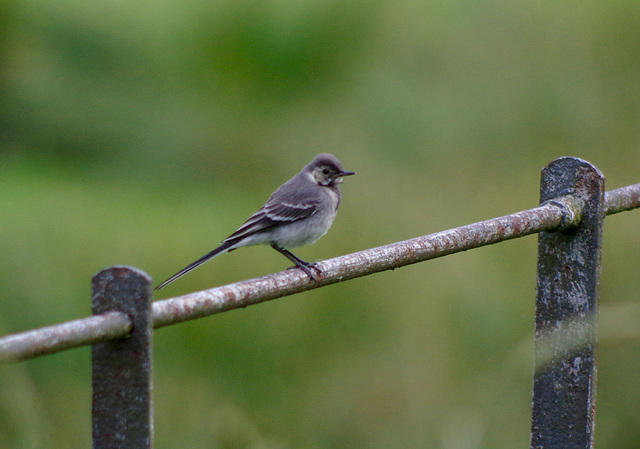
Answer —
143 133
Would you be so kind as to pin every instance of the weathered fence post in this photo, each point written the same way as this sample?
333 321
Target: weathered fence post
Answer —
122 411
563 404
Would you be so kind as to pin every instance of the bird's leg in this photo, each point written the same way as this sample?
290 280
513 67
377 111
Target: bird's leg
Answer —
303 265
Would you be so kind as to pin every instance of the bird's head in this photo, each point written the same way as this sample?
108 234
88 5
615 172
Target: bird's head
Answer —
326 170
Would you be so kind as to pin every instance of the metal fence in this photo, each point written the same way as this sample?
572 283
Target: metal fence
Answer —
569 222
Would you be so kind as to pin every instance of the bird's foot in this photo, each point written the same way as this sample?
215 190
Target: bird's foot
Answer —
307 267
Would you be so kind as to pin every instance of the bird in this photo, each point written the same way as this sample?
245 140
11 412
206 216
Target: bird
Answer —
297 213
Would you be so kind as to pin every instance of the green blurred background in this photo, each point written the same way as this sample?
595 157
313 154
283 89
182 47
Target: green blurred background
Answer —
144 132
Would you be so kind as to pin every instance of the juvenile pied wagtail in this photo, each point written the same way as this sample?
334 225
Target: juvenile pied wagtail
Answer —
298 213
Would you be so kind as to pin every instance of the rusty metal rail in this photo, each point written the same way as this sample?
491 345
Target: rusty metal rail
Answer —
569 222
551 216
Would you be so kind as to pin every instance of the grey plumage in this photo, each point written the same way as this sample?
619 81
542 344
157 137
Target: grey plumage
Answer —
298 213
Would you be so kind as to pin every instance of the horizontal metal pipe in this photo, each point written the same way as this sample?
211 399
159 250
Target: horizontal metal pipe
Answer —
551 216
67 335
622 199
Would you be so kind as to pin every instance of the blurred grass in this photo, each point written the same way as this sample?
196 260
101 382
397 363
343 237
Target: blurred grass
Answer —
143 133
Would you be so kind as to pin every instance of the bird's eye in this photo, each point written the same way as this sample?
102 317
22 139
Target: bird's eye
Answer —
325 171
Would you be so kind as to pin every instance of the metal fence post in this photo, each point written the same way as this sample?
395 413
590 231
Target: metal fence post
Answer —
122 410
563 404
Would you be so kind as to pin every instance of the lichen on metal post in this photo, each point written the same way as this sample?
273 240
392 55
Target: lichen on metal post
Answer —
122 409
563 404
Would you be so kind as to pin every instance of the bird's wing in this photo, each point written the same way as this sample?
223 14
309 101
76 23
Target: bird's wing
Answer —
272 214
281 211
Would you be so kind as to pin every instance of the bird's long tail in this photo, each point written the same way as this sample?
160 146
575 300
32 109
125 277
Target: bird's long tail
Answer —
220 249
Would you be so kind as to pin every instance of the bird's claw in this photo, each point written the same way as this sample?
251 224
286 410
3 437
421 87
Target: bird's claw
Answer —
306 267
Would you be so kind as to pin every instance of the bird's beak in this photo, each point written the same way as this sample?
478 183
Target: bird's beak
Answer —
346 173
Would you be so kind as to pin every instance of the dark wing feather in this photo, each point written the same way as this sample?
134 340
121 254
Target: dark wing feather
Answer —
272 214
290 212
